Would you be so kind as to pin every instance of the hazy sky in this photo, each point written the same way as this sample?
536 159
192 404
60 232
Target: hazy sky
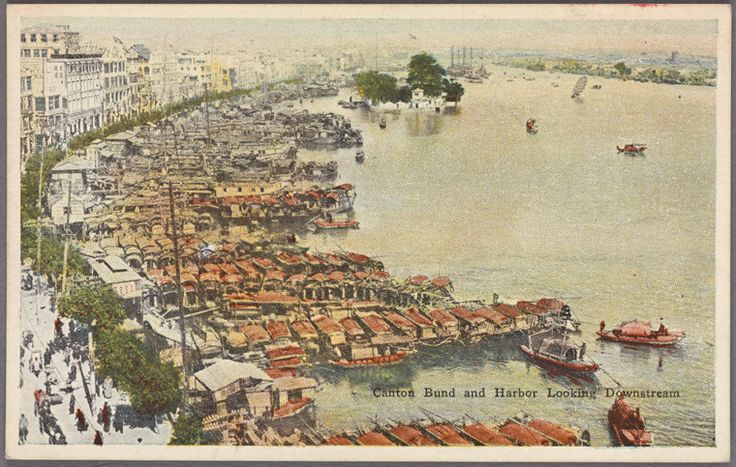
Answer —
564 36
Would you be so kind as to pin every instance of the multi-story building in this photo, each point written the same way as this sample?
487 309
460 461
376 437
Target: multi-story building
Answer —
37 44
116 93
74 92
165 79
195 70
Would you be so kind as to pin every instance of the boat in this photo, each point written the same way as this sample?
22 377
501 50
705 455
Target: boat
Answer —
641 333
633 149
359 155
558 434
333 224
531 127
579 86
627 425
553 347
596 86
378 360
382 123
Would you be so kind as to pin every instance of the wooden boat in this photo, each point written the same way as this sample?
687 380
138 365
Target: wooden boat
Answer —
485 435
553 347
335 224
640 333
359 155
557 434
632 149
522 435
627 425
379 360
382 123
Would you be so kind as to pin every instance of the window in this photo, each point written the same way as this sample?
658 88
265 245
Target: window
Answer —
44 52
40 103
56 51
107 68
107 82
22 37
36 52
26 52
43 38
56 37
56 102
67 210
64 102
33 38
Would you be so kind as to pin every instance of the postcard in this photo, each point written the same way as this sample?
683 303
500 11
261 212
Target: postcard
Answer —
369 232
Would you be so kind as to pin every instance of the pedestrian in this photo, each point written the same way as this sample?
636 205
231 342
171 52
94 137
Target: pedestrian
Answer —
47 357
98 438
23 428
72 404
106 417
73 373
67 355
81 420
117 422
57 327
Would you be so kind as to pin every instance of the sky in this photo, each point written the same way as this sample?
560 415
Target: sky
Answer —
693 37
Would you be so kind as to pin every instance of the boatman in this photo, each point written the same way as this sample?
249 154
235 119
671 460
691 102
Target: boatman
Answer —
662 331
603 325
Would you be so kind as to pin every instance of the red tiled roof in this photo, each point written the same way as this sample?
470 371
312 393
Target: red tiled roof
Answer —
466 315
357 258
208 276
336 276
376 324
265 263
211 268
229 268
441 282
304 328
492 315
530 308
550 304
277 329
286 351
275 274
334 260
378 276
232 279
326 324
442 316
289 258
417 280
351 327
508 310
373 438
399 321
319 277
418 317
360 275
287 363
411 436
188 277
344 187
254 333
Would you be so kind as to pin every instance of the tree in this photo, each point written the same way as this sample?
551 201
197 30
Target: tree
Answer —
403 94
30 178
426 73
454 90
187 430
154 388
87 304
622 70
52 253
376 87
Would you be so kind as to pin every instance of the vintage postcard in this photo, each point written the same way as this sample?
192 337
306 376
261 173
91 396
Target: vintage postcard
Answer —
369 232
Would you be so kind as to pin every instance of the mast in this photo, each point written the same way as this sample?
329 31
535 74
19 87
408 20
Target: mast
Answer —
179 301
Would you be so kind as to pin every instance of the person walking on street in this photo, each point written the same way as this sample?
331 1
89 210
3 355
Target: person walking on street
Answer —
72 403
98 438
106 417
57 327
81 420
73 373
23 428
117 422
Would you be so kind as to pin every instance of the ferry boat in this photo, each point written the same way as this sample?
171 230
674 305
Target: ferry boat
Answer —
627 425
641 333
553 347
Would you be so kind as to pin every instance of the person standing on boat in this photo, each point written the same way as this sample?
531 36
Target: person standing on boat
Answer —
603 325
582 351
662 331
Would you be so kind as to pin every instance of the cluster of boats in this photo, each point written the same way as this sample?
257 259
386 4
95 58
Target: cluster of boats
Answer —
520 430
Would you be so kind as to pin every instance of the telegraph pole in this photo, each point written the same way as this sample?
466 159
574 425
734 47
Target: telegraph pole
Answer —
38 234
207 111
175 239
68 235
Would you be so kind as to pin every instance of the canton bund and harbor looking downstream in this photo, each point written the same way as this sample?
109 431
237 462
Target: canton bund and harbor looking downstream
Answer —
422 244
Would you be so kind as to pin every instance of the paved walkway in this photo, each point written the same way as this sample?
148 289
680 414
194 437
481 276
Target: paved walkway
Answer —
41 324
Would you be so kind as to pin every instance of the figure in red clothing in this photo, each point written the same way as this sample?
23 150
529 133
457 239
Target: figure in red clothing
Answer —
81 420
98 438
106 417
57 326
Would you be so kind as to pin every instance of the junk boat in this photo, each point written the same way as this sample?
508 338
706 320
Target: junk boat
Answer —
382 123
633 149
359 155
627 425
641 333
531 127
553 347
559 435
331 224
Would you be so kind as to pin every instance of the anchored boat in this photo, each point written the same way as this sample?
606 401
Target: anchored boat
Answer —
331 224
632 149
627 425
641 333
378 360
554 347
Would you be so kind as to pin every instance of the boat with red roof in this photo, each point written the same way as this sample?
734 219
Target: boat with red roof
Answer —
641 333
554 347
375 360
331 224
627 425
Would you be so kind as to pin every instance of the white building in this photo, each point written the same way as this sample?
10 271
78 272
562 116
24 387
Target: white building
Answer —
81 75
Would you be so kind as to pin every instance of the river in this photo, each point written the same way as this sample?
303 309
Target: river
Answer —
469 194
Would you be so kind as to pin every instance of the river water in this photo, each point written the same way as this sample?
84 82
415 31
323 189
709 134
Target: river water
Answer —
471 195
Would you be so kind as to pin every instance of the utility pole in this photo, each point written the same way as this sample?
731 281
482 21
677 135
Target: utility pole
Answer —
207 111
175 239
38 233
68 235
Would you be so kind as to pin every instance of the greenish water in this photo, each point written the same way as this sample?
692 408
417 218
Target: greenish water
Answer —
471 195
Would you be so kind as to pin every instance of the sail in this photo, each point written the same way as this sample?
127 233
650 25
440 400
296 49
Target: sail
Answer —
579 86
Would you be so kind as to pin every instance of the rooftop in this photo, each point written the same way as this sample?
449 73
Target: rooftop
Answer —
225 372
